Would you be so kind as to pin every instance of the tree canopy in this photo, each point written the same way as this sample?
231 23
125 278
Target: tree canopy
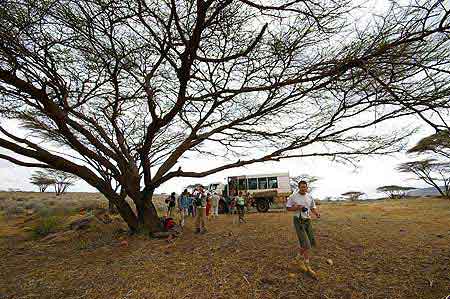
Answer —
41 179
438 144
394 191
432 172
353 195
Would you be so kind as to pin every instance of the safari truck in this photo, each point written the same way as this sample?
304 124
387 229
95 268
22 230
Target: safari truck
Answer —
264 189
217 188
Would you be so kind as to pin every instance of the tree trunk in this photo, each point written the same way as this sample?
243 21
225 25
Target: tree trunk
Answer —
148 216
57 189
126 213
64 188
112 209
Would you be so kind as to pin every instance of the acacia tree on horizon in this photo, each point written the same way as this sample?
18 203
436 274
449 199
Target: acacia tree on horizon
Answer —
437 145
60 180
41 179
118 93
395 191
434 168
353 195
430 171
310 179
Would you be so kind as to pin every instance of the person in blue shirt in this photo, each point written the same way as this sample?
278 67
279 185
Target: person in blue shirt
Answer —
183 205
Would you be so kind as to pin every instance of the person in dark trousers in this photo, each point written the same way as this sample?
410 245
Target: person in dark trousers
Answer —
200 204
171 204
191 209
304 204
240 203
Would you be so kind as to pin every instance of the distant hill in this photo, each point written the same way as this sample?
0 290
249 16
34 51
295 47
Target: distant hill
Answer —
431 191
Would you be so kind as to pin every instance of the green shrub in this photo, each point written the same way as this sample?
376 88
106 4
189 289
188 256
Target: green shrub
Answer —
82 244
45 212
45 226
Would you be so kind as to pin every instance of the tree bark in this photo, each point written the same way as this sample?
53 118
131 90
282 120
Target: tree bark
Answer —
148 217
125 211
112 208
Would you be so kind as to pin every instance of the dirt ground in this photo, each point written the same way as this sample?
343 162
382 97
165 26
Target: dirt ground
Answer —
383 249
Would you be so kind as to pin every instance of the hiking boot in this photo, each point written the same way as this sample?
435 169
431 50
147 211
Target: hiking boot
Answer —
312 273
302 267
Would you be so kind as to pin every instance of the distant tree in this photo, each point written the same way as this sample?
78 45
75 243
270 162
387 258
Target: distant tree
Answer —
59 179
437 144
63 180
353 195
394 191
310 179
192 186
42 180
436 174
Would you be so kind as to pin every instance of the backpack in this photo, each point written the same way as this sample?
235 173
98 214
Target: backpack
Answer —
168 223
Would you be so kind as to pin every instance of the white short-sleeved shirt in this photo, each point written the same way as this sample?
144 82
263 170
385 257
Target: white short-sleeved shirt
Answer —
304 200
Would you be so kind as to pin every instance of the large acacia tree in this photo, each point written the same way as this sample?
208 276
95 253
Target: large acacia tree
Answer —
434 169
119 92
437 145
430 171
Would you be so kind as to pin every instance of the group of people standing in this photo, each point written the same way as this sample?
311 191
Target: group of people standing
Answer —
203 205
198 204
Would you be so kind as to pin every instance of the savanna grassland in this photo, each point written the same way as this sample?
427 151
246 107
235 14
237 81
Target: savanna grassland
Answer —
382 249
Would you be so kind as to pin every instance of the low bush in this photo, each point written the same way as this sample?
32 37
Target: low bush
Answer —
45 226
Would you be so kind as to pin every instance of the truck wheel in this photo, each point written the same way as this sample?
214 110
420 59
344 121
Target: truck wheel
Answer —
262 205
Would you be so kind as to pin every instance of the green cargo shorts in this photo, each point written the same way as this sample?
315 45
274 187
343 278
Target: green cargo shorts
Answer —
305 232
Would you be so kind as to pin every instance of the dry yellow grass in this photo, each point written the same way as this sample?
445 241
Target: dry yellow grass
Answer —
385 249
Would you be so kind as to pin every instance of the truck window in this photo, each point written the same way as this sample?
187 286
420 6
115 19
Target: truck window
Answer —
273 183
252 184
262 183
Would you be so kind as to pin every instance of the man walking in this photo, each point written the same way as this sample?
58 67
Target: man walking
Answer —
304 204
200 204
